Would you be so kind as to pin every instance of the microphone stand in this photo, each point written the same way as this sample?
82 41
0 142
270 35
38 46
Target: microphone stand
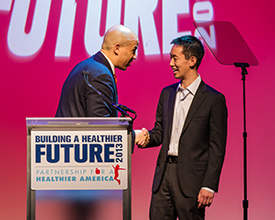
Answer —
245 201
121 108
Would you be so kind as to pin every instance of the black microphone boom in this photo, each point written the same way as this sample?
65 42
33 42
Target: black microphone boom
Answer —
125 108
121 108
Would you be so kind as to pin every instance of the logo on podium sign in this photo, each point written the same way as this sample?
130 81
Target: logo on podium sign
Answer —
79 160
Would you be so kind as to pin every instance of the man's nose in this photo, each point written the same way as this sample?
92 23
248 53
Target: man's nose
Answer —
171 63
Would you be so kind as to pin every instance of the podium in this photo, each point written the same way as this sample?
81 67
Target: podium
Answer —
79 154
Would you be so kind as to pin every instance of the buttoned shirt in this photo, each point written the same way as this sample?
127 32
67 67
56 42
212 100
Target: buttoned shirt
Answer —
184 98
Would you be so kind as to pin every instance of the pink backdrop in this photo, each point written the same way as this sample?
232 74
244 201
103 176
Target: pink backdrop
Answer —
32 80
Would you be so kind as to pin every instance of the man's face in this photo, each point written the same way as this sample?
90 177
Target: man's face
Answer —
127 54
180 66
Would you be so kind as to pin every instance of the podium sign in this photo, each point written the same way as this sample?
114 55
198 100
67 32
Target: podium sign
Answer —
78 160
79 154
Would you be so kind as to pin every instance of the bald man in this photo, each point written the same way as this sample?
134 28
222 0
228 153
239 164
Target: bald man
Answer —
77 99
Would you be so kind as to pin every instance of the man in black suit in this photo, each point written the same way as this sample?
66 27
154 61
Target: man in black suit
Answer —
77 99
191 125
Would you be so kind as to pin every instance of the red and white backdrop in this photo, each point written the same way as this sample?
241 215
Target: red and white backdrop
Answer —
41 40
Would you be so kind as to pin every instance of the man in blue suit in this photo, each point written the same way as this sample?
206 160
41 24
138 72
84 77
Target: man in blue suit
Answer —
191 125
77 99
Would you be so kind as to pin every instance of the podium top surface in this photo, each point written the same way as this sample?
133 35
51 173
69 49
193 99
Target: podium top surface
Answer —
78 121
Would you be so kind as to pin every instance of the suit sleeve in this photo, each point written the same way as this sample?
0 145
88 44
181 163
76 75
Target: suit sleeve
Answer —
96 106
156 134
217 143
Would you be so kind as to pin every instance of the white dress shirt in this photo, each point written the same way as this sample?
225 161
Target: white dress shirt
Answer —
111 64
184 98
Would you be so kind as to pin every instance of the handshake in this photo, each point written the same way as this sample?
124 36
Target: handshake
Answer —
142 137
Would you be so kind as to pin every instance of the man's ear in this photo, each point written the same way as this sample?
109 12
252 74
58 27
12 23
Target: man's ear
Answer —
192 62
117 49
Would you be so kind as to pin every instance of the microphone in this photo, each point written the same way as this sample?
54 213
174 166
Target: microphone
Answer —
121 108
125 108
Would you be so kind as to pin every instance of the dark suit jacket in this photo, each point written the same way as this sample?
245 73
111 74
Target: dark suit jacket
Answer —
202 142
79 100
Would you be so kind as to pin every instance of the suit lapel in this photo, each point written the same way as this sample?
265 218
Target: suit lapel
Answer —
171 106
99 57
197 101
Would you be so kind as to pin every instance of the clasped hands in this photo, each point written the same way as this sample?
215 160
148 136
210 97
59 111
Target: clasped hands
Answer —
142 137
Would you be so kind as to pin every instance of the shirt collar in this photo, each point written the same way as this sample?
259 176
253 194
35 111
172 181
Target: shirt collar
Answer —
193 87
111 64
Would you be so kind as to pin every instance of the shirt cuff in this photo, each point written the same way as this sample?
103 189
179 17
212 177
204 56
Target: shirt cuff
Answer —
208 189
137 131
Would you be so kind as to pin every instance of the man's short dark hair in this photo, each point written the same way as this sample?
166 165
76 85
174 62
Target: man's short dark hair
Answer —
192 46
